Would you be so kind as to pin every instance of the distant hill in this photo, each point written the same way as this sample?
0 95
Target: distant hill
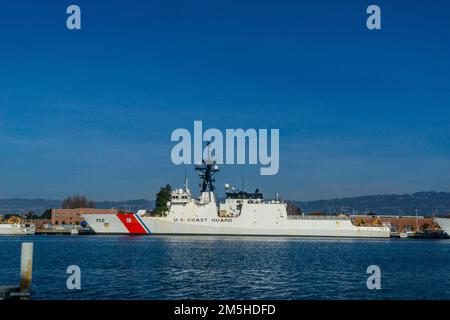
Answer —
38 206
429 203
21 206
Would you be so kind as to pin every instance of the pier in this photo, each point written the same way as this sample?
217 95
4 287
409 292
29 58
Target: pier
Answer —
23 290
65 231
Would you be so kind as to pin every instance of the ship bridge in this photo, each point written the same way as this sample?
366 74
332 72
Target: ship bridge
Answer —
244 195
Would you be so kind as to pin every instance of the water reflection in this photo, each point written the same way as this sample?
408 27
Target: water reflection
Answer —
214 267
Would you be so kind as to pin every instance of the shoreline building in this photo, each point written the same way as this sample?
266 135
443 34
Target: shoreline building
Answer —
74 216
399 223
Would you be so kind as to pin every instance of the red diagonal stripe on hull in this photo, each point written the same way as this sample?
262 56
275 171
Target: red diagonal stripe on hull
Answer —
131 223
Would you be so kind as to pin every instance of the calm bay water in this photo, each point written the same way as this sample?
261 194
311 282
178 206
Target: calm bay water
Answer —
186 267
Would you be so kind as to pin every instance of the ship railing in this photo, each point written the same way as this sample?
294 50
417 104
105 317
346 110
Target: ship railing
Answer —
310 217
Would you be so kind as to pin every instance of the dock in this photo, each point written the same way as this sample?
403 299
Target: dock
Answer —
66 231
52 232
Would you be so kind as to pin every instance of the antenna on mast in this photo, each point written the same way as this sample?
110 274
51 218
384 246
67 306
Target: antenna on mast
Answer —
208 159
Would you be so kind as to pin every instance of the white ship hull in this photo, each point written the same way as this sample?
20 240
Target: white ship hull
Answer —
310 228
301 226
15 229
444 223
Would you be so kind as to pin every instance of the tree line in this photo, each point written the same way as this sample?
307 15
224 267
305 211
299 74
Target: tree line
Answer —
75 202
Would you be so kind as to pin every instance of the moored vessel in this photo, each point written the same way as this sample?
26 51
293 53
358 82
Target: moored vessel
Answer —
241 213
16 229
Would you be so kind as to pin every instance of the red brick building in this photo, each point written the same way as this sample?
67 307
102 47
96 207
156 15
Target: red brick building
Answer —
74 216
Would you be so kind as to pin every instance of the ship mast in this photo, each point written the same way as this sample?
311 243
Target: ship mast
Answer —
206 171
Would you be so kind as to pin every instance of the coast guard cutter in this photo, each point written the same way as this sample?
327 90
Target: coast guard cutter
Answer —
241 213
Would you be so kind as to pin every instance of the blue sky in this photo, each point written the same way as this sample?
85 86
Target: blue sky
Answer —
91 111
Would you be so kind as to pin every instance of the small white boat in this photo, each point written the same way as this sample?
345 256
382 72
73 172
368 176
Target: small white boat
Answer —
16 229
406 234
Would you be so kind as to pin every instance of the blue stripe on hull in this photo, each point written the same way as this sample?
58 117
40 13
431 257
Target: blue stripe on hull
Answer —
142 222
